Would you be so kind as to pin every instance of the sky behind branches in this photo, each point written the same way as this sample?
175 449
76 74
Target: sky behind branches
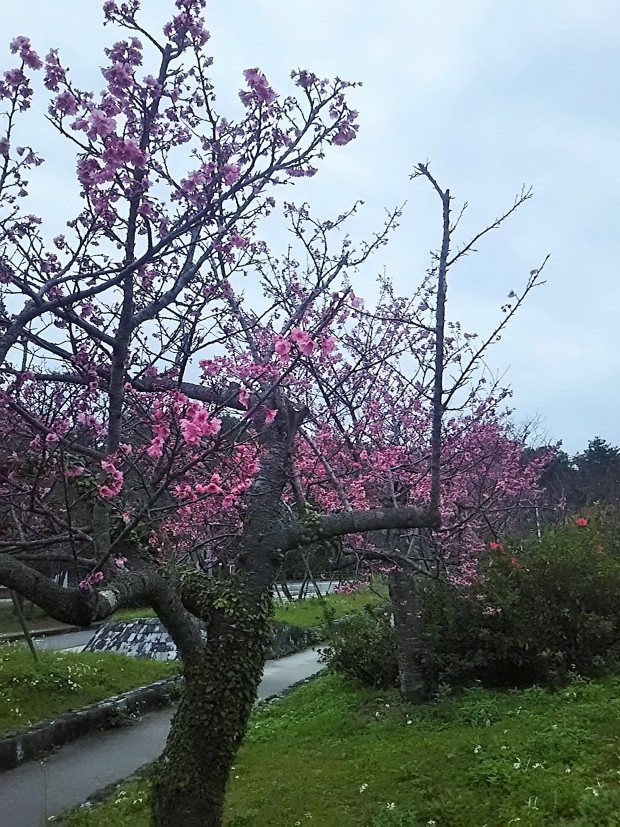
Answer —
494 95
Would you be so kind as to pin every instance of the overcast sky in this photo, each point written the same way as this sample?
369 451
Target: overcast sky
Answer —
495 95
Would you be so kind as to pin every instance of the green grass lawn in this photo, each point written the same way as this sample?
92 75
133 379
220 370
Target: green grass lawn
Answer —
38 619
329 754
298 613
309 612
61 681
131 614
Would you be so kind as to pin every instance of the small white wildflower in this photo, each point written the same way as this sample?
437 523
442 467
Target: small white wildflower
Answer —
478 748
409 721
390 806
363 788
568 769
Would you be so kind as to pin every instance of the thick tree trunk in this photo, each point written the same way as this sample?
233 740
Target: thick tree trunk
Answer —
189 780
407 626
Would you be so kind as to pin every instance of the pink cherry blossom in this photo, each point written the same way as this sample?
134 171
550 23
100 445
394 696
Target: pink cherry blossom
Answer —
257 82
303 341
100 124
89 581
328 345
197 424
282 347
22 46
231 173
114 483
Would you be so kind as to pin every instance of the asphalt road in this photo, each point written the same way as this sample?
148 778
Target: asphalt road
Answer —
38 790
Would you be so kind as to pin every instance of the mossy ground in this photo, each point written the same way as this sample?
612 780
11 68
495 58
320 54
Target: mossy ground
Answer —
333 754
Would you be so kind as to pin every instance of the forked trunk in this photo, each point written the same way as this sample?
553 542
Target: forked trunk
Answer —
407 626
189 780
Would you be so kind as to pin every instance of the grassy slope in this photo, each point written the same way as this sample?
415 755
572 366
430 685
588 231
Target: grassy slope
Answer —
310 612
31 692
38 619
299 612
329 754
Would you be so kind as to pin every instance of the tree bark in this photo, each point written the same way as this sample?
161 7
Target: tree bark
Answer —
414 686
190 778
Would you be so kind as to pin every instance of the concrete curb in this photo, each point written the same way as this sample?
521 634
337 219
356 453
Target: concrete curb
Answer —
24 745
100 796
10 637
40 740
43 738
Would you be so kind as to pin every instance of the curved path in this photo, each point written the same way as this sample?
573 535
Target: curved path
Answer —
38 790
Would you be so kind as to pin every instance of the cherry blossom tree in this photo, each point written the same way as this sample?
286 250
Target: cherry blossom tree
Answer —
172 392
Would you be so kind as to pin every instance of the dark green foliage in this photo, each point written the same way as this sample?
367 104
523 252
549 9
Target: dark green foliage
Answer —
364 649
537 615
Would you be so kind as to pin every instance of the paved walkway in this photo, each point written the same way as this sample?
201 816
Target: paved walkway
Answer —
30 794
70 640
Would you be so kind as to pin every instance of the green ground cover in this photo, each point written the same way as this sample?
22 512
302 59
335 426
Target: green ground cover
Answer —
61 681
309 612
332 754
298 613
37 619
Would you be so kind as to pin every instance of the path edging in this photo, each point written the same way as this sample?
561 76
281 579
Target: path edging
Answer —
39 740
47 736
142 772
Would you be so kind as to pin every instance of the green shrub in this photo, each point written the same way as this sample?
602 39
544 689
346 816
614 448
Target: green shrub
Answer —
537 615
363 648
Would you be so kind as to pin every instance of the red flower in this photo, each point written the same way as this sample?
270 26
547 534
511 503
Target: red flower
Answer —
496 546
581 521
